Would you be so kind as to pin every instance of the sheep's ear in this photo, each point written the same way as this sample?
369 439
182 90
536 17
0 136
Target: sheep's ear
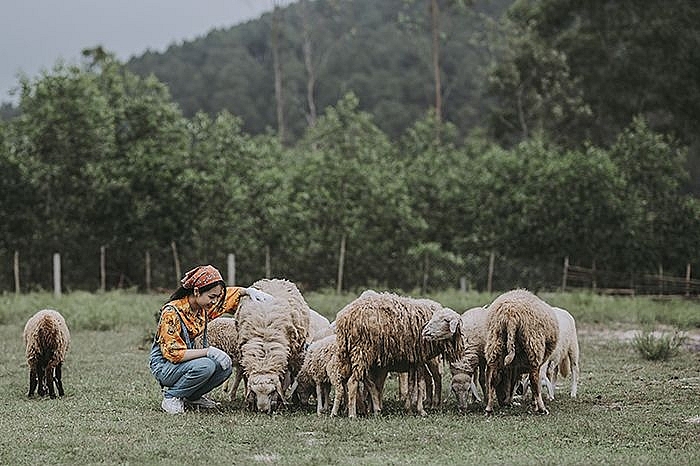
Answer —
454 324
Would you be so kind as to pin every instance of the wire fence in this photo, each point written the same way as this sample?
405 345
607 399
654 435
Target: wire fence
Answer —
487 272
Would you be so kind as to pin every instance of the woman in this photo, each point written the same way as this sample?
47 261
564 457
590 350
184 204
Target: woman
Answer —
184 372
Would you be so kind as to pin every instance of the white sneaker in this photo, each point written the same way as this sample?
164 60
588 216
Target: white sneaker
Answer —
173 405
202 402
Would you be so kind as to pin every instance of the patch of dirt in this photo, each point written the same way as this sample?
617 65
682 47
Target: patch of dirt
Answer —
626 333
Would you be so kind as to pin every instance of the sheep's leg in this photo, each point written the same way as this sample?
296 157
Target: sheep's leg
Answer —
57 378
403 386
422 376
436 377
236 382
32 380
373 382
537 391
338 399
353 384
490 389
574 376
41 380
319 398
48 377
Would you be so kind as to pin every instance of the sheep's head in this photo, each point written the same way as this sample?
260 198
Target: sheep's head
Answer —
442 325
461 387
264 392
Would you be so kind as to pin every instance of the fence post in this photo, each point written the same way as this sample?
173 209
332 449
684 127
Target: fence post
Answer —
148 271
564 275
176 259
661 279
687 279
57 274
16 269
594 284
341 266
231 266
489 281
103 270
268 262
463 284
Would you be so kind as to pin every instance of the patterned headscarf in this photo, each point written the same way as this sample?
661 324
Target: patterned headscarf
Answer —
200 277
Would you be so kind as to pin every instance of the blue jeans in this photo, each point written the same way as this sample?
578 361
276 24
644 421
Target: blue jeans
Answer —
189 379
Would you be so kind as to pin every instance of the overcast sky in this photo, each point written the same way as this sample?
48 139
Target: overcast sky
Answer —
35 34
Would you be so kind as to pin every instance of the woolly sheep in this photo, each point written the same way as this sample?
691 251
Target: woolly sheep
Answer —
315 375
565 357
522 333
379 332
46 341
471 327
319 326
271 339
223 334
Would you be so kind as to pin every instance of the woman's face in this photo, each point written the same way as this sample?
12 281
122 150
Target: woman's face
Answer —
210 298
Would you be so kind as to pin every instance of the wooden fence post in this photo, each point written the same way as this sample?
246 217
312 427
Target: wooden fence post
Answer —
231 265
103 269
687 279
661 279
57 274
463 284
148 271
16 269
489 281
268 262
176 260
564 275
341 266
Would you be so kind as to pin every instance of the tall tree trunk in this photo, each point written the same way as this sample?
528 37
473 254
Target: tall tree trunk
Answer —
281 129
308 62
435 29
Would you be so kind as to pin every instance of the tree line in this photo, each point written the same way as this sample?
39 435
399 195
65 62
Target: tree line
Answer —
101 157
413 138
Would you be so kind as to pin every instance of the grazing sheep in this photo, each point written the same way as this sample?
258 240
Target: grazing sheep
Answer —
223 334
315 375
319 326
46 341
522 334
471 327
564 359
381 332
271 339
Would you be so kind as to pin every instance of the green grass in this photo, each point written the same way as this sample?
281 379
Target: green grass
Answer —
629 411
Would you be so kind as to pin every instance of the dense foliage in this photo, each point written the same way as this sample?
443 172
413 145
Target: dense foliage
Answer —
377 190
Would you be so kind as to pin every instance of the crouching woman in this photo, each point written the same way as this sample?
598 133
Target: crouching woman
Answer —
185 373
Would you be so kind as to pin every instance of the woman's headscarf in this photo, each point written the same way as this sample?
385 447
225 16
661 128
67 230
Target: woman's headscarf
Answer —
200 277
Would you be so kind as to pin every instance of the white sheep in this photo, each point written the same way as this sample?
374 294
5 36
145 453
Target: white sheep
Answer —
271 339
564 359
46 341
521 336
315 374
222 333
381 332
319 326
471 327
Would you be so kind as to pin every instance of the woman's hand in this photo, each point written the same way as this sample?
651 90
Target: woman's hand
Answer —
220 357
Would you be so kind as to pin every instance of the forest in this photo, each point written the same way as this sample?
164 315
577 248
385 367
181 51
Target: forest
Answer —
344 144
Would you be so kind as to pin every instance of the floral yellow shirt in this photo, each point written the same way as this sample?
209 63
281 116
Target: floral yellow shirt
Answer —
169 333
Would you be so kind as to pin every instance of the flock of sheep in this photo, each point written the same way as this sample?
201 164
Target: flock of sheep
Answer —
285 352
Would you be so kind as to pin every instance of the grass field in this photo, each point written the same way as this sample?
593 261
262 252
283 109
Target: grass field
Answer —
629 410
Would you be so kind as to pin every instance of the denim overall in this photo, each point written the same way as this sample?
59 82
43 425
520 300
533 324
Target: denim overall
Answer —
188 379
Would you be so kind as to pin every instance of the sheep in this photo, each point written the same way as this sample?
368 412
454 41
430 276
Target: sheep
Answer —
223 333
522 332
564 359
319 326
471 327
271 340
315 374
46 341
379 332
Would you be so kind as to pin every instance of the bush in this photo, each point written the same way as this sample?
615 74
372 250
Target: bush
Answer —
658 347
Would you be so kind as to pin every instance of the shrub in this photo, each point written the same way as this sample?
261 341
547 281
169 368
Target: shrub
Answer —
658 346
